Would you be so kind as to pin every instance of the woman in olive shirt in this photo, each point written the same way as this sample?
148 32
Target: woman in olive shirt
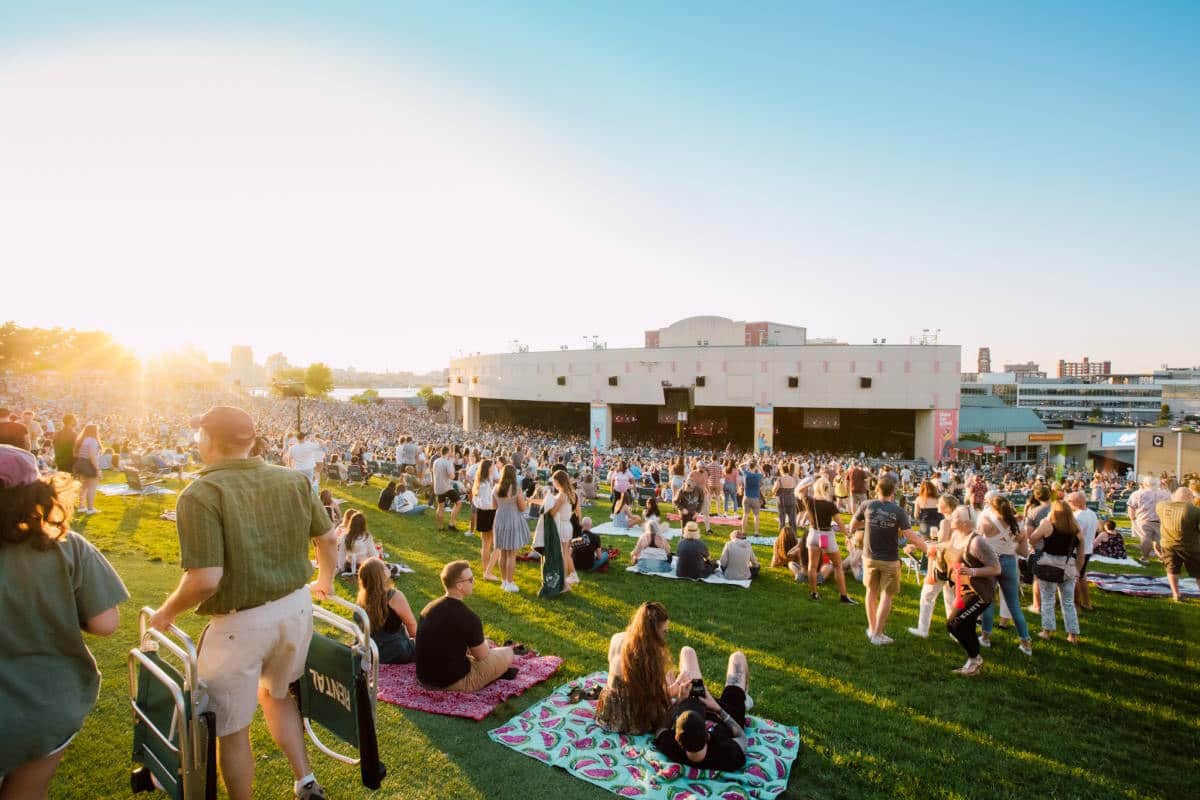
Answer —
54 585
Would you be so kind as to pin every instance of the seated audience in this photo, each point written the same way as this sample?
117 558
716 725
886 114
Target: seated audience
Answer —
652 553
387 497
641 678
393 626
705 733
452 653
1109 542
333 506
406 501
623 516
355 543
586 550
692 560
587 486
738 562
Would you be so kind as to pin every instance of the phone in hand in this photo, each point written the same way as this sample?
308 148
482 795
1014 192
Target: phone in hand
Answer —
697 688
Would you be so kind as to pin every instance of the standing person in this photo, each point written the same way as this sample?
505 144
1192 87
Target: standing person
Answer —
244 533
621 481
1088 523
485 517
511 529
452 653
444 491
35 430
1036 511
64 444
1062 548
751 493
974 566
393 626
87 467
1004 534
561 503
856 485
884 523
1143 513
822 513
305 454
729 486
1180 546
785 494
55 587
937 574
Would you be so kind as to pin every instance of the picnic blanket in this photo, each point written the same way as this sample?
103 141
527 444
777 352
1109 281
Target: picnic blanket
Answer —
123 490
398 685
565 735
636 531
1142 585
716 577
1120 562
715 520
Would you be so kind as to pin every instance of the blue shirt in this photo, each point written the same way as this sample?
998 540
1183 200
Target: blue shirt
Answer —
636 472
753 484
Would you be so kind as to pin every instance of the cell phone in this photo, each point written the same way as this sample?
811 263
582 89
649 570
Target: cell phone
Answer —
697 687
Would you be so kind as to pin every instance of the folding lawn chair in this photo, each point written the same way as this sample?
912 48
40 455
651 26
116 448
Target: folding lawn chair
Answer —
135 481
174 744
338 690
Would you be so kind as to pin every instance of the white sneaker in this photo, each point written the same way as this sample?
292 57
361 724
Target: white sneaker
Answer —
1026 648
884 638
573 578
512 588
917 632
985 641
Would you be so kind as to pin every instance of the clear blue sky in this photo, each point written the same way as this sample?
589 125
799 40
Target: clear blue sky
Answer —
1024 176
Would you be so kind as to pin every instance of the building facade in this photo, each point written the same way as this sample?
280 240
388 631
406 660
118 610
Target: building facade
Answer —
1084 369
984 364
1029 369
1131 398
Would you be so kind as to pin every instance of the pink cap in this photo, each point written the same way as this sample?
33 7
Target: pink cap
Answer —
17 467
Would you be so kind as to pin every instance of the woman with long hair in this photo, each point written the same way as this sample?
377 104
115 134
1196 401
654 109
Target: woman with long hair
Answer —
1003 532
561 503
785 494
642 682
729 486
623 516
57 588
393 625
356 544
1062 547
511 531
822 513
87 466
974 567
937 577
484 503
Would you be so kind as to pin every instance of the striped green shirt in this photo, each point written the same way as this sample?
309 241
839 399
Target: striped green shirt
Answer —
254 520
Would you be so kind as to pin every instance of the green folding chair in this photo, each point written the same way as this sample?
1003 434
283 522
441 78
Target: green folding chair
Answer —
338 690
174 740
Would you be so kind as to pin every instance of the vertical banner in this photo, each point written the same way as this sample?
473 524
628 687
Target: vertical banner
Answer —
945 433
764 429
599 427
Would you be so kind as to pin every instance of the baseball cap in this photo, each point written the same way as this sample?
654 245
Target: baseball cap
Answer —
690 732
17 467
226 424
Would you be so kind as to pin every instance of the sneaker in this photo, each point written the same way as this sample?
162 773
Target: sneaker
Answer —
1026 647
92 511
970 668
985 641
468 533
311 791
814 596
884 638
572 579
511 588
848 600
917 632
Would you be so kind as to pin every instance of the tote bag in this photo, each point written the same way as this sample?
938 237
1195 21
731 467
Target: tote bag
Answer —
552 560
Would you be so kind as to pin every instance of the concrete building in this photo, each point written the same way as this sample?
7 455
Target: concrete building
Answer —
781 392
241 365
990 384
1084 369
1131 397
1162 450
1029 369
984 364
1021 432
1181 388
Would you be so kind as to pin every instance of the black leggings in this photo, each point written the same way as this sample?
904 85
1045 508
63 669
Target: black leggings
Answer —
962 624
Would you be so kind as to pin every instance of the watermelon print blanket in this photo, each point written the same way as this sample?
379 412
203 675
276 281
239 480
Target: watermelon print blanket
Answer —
564 734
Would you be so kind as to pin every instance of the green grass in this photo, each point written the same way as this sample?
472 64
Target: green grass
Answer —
1115 716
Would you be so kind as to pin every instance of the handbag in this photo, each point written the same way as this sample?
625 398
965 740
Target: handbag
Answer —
553 570
1053 573
1027 566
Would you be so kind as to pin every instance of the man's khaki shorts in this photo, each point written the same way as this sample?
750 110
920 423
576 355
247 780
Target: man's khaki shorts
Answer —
483 671
264 646
882 576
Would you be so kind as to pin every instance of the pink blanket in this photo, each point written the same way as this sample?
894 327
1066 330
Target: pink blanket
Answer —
398 685
716 520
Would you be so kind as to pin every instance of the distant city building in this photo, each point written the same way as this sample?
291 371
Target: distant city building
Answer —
275 363
985 359
722 332
1126 397
1083 369
1181 388
990 384
241 364
1027 370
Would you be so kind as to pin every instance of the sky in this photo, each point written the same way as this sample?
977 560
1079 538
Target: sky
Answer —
389 185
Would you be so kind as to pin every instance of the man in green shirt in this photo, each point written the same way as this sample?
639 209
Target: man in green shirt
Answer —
244 532
1179 543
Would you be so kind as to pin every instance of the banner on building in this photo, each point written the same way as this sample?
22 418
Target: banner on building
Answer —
945 432
764 429
599 427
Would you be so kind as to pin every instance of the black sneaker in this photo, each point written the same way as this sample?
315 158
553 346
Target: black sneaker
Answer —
452 528
814 596
848 600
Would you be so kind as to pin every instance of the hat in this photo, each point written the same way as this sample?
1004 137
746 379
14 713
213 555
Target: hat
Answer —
690 732
691 530
226 424
14 433
17 467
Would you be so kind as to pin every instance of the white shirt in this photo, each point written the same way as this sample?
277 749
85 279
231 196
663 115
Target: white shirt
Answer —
483 496
1088 523
305 455
404 501
443 475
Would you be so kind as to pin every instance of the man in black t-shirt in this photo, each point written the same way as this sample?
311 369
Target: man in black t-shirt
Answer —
452 653
705 733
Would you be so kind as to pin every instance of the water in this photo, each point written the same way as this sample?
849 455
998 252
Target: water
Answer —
346 392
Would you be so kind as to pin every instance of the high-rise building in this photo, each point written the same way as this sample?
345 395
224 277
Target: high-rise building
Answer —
241 364
985 360
1027 370
275 363
1083 369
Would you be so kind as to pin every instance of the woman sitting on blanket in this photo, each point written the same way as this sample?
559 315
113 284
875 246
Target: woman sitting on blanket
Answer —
652 512
393 625
623 516
355 543
642 681
652 553
1109 543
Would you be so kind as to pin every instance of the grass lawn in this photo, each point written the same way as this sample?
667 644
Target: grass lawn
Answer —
1116 716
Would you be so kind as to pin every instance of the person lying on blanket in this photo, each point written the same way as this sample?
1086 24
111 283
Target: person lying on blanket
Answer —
706 733
452 654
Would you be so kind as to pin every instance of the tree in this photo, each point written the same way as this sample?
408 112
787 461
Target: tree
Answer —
288 382
425 392
318 379
435 402
1165 412
366 397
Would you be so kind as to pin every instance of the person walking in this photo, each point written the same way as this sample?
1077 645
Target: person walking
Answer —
484 504
87 467
1180 546
244 533
511 529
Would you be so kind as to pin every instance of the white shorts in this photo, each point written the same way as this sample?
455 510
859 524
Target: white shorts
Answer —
814 540
264 646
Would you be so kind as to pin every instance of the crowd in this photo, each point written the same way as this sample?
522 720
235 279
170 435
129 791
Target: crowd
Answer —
248 519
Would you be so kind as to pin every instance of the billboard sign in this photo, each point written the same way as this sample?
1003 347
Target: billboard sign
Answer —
599 427
1121 439
945 433
764 429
